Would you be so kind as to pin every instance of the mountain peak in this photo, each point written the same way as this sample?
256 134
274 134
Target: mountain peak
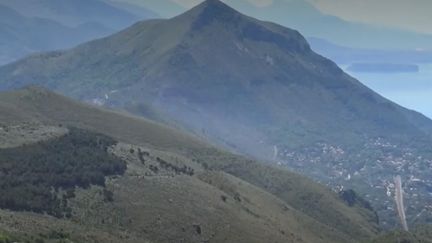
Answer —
213 4
210 11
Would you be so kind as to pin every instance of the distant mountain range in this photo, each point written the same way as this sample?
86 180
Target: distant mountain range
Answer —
304 17
24 35
347 55
311 22
254 87
139 11
77 12
40 25
164 8
383 68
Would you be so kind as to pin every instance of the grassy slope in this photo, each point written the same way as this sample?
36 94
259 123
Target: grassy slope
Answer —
420 234
301 194
263 190
35 104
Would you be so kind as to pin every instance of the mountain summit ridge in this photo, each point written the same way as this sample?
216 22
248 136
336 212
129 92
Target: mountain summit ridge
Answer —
211 10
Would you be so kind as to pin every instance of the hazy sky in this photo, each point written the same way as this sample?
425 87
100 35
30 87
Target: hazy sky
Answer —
407 14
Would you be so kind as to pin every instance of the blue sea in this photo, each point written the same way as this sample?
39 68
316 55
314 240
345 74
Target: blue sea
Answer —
411 90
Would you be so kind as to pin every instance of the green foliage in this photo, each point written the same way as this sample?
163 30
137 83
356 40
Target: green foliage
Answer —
4 238
419 234
54 236
351 198
33 174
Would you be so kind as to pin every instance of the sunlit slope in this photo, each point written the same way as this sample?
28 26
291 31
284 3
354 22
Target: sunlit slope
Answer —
230 198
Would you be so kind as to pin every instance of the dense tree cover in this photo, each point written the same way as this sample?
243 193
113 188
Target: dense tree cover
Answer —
352 198
31 175
58 236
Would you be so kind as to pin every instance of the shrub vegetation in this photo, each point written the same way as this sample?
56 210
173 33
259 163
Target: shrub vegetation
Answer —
31 175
